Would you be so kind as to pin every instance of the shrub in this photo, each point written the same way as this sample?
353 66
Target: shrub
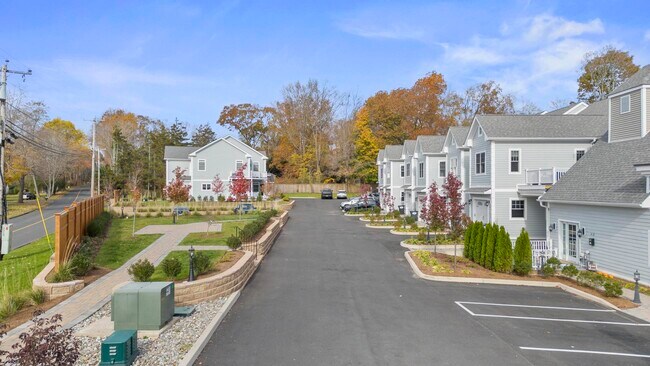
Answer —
422 236
548 270
484 244
202 263
64 274
11 304
221 198
285 199
141 271
503 252
98 226
570 271
491 244
523 255
171 267
554 262
410 220
159 214
44 343
414 226
468 240
81 264
233 242
273 212
478 239
397 225
613 288
38 296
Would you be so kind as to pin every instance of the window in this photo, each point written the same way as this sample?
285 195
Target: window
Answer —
515 156
402 197
625 104
206 186
401 168
239 164
201 165
480 163
408 170
256 186
442 169
579 154
480 131
256 166
421 170
517 209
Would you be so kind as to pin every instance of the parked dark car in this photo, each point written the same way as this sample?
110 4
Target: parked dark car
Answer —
245 208
178 211
361 204
29 196
326 194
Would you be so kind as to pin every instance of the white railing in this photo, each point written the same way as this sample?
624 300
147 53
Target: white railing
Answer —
542 251
545 176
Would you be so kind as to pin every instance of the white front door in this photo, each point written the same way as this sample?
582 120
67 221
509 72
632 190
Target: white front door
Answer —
481 211
569 237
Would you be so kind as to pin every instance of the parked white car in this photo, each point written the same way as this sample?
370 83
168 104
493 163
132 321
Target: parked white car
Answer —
341 194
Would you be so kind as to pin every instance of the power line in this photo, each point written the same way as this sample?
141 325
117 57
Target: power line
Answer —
41 145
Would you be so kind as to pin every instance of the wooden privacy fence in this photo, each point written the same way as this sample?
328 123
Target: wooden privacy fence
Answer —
316 187
71 224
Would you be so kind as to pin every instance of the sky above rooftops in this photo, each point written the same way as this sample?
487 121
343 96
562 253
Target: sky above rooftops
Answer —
187 60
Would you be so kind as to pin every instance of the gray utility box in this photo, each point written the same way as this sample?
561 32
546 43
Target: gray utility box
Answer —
143 305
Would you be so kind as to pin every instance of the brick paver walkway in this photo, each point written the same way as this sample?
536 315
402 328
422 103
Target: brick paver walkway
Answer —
85 302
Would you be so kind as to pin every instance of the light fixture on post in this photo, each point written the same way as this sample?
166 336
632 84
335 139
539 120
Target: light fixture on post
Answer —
637 297
191 250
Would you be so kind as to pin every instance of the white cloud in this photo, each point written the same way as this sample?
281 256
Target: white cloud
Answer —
551 28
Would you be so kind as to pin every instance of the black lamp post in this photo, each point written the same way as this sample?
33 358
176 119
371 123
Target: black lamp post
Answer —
191 250
637 277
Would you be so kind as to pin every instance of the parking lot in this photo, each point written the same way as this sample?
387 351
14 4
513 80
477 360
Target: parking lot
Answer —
333 292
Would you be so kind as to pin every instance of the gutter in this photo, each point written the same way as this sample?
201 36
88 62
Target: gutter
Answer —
587 203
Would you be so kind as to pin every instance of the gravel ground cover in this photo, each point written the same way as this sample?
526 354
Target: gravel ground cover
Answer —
168 349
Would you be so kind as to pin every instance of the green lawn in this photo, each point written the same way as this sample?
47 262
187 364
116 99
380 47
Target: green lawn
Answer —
16 209
183 256
228 229
20 266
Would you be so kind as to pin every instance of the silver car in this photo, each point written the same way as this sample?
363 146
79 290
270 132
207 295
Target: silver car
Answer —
341 194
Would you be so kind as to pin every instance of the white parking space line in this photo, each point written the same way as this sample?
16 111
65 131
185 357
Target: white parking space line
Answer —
584 351
536 306
460 303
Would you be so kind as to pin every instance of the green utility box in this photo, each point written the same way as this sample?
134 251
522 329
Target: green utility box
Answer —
120 348
143 305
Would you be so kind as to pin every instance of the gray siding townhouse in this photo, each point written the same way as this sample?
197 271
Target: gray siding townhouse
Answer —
514 158
393 173
429 165
457 155
381 166
408 150
599 213
221 157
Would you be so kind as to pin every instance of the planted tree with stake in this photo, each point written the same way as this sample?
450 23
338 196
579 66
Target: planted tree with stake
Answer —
177 191
434 210
239 187
217 187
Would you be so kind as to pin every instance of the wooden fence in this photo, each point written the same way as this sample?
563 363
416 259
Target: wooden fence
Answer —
71 224
316 187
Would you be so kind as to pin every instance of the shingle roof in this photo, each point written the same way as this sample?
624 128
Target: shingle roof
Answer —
543 126
641 77
560 111
380 155
409 146
459 133
179 152
600 108
605 174
431 144
394 152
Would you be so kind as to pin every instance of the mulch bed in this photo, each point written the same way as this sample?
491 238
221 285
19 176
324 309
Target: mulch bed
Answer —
468 269
228 260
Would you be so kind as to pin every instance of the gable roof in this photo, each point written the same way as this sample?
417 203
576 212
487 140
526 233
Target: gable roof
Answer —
380 155
572 108
459 134
543 126
600 108
641 77
179 152
409 147
606 174
431 144
393 152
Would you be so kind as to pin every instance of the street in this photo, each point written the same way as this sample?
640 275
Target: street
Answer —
29 227
333 292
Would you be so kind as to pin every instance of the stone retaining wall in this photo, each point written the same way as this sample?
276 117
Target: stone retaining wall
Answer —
54 290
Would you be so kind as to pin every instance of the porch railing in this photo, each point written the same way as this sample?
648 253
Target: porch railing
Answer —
542 251
545 176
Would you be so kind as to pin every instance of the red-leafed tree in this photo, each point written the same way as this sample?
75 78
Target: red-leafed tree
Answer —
456 213
434 209
217 185
239 185
176 190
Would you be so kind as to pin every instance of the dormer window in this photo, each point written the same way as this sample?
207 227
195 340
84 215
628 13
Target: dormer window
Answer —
625 104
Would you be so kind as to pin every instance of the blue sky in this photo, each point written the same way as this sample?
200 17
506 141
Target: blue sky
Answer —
187 60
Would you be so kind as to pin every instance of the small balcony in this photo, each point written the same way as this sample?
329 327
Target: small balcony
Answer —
544 177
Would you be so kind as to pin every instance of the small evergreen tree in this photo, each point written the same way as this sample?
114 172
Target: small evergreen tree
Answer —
484 242
523 254
503 252
478 239
491 244
468 239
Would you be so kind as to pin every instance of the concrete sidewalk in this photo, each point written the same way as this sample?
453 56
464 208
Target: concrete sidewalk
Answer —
85 302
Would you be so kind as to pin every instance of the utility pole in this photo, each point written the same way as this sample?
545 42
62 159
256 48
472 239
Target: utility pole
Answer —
3 140
92 166
99 173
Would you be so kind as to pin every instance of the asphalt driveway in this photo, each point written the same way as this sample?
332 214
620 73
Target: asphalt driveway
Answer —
29 227
332 292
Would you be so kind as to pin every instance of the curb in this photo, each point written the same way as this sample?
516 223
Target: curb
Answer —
368 220
204 338
562 286
379 227
404 233
441 247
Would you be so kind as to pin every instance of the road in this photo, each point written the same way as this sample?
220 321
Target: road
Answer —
29 227
332 292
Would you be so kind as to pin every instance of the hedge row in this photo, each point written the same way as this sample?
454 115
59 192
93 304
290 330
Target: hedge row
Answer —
250 230
490 246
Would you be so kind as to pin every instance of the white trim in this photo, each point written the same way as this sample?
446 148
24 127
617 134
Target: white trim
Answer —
198 165
575 153
626 91
609 119
510 210
560 240
484 162
648 247
644 112
583 138
506 190
570 110
510 162
629 104
584 351
605 204
493 178
443 162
